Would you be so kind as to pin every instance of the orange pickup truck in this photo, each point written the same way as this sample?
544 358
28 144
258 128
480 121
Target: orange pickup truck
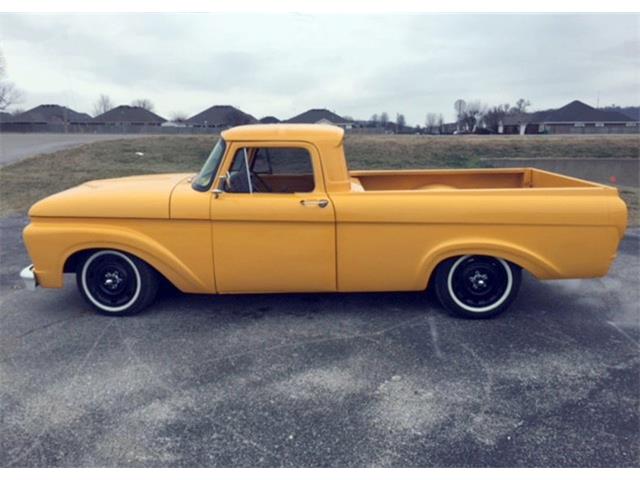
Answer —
275 209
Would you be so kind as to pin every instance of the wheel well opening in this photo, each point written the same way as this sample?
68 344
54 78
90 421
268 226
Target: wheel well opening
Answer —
76 259
432 274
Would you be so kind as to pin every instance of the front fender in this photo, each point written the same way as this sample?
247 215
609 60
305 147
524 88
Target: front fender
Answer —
51 243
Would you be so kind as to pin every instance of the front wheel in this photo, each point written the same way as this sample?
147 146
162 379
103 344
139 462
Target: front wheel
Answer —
115 283
477 286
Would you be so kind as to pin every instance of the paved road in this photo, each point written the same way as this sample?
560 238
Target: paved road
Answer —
322 380
18 146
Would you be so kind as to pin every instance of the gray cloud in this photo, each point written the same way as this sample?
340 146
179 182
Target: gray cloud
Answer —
356 65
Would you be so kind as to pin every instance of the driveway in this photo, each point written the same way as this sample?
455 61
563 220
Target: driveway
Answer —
18 146
321 380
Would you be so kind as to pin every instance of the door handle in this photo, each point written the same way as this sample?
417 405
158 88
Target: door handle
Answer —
314 203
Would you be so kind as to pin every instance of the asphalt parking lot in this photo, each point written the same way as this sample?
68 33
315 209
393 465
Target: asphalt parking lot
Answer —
322 380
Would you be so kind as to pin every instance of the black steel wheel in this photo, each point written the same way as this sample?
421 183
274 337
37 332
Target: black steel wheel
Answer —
115 283
477 286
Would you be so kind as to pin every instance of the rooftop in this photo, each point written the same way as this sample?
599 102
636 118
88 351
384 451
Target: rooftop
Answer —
49 113
269 119
582 112
575 111
221 115
129 114
316 115
286 131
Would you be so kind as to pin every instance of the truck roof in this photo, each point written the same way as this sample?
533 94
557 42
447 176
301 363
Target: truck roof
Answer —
286 131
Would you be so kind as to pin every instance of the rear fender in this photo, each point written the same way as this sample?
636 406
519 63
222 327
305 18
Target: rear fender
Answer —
536 264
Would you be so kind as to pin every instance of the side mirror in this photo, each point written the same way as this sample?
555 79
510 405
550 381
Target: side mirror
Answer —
225 180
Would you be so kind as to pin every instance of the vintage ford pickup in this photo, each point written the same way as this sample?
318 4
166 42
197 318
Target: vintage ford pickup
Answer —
275 209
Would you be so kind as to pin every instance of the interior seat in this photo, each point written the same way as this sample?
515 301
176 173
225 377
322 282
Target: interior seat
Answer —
356 185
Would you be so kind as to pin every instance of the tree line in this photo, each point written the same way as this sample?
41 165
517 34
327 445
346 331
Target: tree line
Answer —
471 115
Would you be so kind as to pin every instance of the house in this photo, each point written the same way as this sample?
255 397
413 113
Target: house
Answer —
49 114
269 119
221 116
5 117
321 115
45 118
575 117
172 124
126 115
633 112
518 123
449 128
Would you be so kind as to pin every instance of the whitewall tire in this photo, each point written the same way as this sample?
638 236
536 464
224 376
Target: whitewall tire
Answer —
477 286
115 283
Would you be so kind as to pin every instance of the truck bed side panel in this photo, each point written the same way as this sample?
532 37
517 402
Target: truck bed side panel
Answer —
394 240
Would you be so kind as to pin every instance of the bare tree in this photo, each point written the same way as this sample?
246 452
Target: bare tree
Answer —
102 105
9 94
440 123
143 103
521 106
178 117
431 121
460 107
400 122
384 119
374 120
495 115
471 115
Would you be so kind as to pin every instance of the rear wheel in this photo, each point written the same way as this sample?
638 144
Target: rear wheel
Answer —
477 286
115 283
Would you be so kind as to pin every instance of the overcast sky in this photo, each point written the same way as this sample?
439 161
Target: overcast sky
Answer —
354 65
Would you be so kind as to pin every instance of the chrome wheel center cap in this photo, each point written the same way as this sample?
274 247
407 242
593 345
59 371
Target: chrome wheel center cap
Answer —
478 280
112 280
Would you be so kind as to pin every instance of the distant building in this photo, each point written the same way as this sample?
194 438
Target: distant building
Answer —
269 119
449 128
321 115
173 124
631 112
575 117
126 115
221 116
50 115
45 118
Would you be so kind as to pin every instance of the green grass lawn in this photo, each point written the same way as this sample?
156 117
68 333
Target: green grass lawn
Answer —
22 183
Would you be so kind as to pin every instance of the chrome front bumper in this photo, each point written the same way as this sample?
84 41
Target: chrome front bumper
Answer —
29 278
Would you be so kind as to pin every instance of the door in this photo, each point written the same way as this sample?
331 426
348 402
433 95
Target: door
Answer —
273 225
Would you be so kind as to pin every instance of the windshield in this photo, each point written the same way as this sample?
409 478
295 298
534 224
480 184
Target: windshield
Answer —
204 179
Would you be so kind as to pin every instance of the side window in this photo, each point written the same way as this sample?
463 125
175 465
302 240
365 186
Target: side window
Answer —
271 170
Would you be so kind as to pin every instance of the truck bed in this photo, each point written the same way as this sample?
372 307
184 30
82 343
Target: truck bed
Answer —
489 178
